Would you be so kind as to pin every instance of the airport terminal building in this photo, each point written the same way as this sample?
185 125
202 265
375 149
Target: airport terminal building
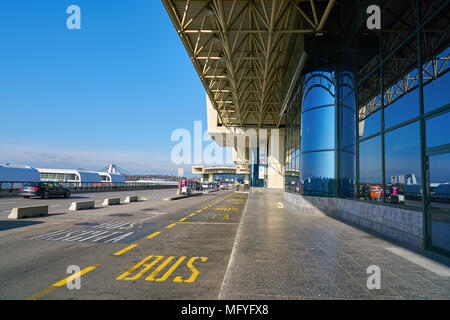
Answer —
349 101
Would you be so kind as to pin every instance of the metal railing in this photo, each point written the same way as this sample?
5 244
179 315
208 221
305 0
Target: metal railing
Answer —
12 187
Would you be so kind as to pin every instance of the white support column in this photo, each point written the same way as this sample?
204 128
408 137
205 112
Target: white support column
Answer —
275 166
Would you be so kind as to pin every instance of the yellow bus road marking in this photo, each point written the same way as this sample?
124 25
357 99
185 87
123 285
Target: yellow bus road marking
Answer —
192 268
152 275
170 225
153 235
118 253
146 267
75 275
187 222
169 272
164 263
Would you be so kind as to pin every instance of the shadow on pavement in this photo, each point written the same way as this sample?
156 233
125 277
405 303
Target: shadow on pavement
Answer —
6 225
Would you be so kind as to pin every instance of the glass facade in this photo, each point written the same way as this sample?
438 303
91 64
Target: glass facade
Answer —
318 111
320 135
373 124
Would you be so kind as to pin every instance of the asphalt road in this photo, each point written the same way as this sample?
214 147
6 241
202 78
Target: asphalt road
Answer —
147 250
60 203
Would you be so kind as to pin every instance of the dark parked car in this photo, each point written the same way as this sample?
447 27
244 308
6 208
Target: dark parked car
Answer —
43 189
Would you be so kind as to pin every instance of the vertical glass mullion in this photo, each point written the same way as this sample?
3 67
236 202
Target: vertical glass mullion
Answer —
356 94
423 157
383 158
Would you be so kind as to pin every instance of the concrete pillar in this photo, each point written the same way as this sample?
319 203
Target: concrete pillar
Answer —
275 162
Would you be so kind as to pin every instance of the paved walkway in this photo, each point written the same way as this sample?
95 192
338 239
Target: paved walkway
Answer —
280 253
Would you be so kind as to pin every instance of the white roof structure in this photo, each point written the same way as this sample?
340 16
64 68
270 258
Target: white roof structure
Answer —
83 176
112 177
18 173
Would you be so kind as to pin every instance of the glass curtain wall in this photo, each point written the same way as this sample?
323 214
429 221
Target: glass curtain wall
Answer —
395 150
403 145
317 156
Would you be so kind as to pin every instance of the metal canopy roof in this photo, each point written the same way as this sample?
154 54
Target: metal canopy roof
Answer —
246 51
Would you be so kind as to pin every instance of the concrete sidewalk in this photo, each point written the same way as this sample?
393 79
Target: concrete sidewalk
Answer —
282 253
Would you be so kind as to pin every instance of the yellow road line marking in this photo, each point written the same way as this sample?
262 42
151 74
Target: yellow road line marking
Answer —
170 225
153 235
118 253
41 293
182 219
191 215
74 276
208 222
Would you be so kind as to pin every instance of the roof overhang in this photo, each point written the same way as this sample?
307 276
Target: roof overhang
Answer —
246 53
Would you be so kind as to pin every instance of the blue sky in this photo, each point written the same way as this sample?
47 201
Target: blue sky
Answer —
111 92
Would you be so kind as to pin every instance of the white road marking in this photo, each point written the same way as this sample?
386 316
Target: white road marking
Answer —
82 235
120 237
424 262
49 234
120 224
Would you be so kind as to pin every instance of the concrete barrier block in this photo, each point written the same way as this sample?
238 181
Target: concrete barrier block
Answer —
111 201
81 205
28 212
131 199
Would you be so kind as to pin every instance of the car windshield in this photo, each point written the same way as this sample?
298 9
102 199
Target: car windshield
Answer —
32 184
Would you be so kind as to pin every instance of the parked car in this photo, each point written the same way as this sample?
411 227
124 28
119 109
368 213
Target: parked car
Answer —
44 190
375 192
